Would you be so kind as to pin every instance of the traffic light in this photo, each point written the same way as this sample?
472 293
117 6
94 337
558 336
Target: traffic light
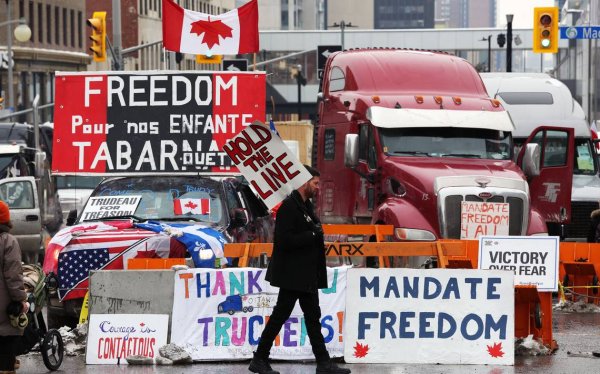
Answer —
205 59
501 39
98 38
545 30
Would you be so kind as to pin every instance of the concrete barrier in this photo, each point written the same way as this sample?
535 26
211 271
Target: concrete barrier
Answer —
132 292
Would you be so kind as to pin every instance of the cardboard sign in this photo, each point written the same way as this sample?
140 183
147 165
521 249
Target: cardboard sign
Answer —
272 170
438 316
113 337
482 218
533 259
220 315
110 206
148 122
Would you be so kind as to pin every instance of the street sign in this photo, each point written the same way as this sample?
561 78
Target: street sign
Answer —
580 32
6 60
235 65
323 51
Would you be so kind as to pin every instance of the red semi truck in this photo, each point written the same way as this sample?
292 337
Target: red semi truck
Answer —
412 139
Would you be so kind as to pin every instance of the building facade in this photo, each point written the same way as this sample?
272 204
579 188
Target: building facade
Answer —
57 43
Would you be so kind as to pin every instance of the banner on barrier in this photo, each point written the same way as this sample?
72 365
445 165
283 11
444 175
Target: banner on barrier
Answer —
220 315
444 316
112 337
533 259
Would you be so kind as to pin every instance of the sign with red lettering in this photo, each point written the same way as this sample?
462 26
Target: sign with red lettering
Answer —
482 218
113 337
115 123
272 170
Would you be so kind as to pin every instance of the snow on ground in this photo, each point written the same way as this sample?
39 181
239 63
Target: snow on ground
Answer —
530 347
576 307
74 339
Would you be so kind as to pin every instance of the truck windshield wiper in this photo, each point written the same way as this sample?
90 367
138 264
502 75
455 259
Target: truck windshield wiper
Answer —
131 216
415 153
182 218
465 155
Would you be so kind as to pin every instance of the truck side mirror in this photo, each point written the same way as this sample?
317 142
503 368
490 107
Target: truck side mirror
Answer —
238 217
40 160
351 151
531 160
72 217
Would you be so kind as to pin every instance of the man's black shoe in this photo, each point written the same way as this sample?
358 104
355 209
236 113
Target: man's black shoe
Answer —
329 367
261 366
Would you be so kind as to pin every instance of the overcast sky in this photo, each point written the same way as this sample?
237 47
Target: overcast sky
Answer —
521 9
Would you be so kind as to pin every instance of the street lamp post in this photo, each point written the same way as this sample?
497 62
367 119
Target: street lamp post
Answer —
489 55
509 19
342 25
22 33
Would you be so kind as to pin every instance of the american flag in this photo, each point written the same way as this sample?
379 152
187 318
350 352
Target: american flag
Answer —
101 250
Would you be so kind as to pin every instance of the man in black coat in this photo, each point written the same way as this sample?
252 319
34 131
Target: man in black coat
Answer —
298 268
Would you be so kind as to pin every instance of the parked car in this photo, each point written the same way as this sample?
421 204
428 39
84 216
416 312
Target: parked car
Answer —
234 211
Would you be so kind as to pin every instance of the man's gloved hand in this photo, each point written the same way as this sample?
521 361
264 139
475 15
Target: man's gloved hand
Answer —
319 230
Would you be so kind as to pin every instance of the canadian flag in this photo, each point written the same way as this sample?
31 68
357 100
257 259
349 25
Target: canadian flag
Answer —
231 33
191 206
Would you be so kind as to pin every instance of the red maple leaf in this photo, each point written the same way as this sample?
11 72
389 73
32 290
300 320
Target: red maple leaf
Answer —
212 30
191 205
495 350
360 350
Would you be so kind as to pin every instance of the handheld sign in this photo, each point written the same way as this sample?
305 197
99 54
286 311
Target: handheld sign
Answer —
124 123
110 206
267 163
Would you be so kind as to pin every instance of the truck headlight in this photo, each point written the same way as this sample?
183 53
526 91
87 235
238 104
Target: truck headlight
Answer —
402 233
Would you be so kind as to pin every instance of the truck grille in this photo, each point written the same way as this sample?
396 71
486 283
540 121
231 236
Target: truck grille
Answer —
452 205
580 219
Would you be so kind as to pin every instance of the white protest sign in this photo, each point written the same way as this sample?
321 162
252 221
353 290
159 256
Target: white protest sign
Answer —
112 337
482 218
437 316
533 259
110 206
272 170
221 314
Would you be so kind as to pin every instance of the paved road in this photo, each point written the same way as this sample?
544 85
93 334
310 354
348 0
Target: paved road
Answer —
573 331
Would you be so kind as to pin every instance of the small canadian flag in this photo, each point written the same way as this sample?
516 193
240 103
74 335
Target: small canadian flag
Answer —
191 206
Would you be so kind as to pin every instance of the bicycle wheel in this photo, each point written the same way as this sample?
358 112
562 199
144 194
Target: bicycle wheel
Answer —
52 349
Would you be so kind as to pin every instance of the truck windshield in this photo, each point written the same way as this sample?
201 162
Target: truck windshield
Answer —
169 198
447 142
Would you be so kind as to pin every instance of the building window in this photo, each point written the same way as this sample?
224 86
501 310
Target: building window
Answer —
31 19
21 9
64 28
48 23
56 27
40 23
72 24
79 28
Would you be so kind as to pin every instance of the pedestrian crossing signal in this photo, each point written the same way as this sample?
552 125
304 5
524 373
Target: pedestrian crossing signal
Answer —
545 30
204 59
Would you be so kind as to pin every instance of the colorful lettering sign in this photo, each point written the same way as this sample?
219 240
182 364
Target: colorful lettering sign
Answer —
438 316
220 315
149 122
270 167
482 218
533 259
113 337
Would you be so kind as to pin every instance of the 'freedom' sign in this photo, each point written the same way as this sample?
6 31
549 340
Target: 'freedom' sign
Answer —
149 122
267 163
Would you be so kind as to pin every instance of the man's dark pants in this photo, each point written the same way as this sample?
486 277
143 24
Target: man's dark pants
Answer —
309 302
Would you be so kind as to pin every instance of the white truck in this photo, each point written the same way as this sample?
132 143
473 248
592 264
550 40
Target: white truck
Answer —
536 99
